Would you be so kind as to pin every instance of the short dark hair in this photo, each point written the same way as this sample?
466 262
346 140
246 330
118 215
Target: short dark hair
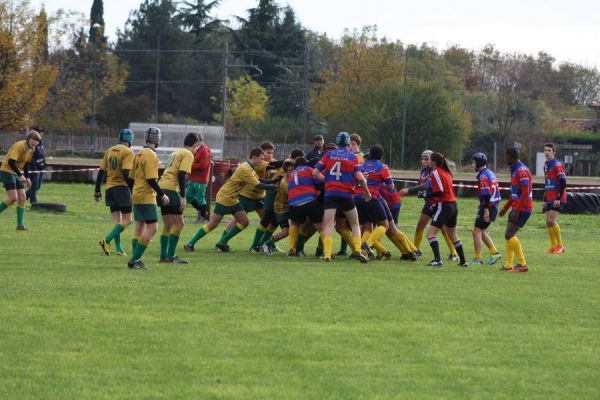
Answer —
191 139
376 152
300 161
287 164
256 152
550 145
267 145
512 153
355 137
297 153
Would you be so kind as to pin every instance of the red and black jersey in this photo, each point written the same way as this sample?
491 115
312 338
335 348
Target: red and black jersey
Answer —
441 182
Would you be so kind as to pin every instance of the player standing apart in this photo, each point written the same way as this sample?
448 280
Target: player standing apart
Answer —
145 190
195 193
116 165
172 183
555 177
15 175
521 201
489 197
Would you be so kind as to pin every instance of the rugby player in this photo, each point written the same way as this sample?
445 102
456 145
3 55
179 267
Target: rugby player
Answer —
195 192
555 196
15 174
342 169
228 200
521 201
145 189
489 198
282 211
116 166
172 183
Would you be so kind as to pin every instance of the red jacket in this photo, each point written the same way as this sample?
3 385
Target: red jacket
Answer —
201 165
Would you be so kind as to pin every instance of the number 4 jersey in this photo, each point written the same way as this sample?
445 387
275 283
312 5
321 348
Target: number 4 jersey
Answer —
339 168
115 160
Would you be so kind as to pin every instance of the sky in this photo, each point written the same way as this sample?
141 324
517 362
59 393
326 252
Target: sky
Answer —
567 30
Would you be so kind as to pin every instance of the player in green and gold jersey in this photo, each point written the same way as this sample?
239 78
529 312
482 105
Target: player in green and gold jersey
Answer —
145 189
116 165
281 208
172 183
15 175
228 201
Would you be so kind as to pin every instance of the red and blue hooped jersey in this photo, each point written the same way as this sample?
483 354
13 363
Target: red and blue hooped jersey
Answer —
441 181
521 184
301 186
377 175
554 172
392 197
339 167
487 188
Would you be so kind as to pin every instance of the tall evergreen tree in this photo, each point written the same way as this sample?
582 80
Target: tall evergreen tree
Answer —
97 17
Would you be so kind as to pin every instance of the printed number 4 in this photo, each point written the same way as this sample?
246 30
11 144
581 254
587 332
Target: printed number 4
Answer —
336 170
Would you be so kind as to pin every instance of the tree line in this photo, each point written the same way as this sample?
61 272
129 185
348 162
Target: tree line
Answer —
171 59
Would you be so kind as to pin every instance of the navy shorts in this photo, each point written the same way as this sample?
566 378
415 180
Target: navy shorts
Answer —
480 223
341 203
312 210
427 210
519 220
369 211
445 214
549 206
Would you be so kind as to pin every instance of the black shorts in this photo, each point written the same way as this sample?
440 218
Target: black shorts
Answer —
312 210
480 223
118 198
341 203
445 214
427 210
369 211
388 213
395 215
174 203
270 218
519 220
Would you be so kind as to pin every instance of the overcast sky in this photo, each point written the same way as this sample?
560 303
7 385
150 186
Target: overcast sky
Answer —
568 30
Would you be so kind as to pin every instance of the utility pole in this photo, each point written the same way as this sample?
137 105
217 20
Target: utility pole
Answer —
156 80
404 109
305 96
225 72
94 78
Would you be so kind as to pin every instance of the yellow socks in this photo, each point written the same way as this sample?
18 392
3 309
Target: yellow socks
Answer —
508 254
557 235
293 234
374 237
551 233
327 246
449 244
380 248
418 237
355 244
493 250
515 245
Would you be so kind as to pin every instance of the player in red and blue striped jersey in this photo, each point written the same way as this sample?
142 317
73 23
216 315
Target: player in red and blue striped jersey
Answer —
489 197
303 198
521 201
341 169
555 197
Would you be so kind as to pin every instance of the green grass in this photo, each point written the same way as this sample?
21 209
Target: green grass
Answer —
76 324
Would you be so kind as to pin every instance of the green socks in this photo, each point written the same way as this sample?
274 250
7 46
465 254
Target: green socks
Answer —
3 206
20 216
234 231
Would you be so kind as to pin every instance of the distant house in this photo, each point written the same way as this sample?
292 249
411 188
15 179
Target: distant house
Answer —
588 124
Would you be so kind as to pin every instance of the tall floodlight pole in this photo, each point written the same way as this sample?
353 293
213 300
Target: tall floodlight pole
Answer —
156 78
305 96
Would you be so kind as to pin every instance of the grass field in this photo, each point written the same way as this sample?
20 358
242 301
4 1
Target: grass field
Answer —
76 324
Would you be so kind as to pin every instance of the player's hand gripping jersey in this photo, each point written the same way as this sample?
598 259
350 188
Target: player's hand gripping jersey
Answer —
487 189
554 173
339 167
